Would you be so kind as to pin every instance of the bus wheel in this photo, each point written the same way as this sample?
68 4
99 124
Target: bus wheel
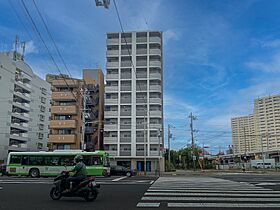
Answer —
34 172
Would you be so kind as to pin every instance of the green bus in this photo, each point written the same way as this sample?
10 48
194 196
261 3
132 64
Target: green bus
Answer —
37 164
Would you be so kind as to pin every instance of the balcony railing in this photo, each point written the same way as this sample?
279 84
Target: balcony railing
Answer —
155 126
112 76
141 100
125 139
125 153
109 139
112 53
140 139
155 63
125 76
155 39
112 152
57 96
141 51
141 63
126 64
125 126
110 127
155 76
112 64
25 96
126 52
125 100
112 41
62 124
154 140
141 113
24 106
154 153
141 39
125 113
62 138
126 40
111 101
141 87
111 88
125 88
155 51
64 109
141 75
155 113
156 88
155 100
22 126
110 113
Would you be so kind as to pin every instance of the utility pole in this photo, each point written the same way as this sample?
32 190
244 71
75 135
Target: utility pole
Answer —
192 136
245 141
84 99
169 136
145 147
159 143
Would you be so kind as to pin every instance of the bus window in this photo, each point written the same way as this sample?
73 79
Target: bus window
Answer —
15 159
24 160
52 161
87 160
96 161
36 160
67 160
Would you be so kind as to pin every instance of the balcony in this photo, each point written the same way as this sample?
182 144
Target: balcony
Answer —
141 100
141 75
125 88
18 147
21 126
63 96
140 126
62 124
126 52
155 88
112 41
126 100
155 76
19 136
155 39
22 116
25 86
110 113
126 76
139 139
126 40
112 76
154 153
155 126
64 110
110 140
125 153
155 113
141 39
125 113
112 64
154 140
141 87
24 106
155 51
126 64
65 82
111 101
112 152
155 100
111 88
141 51
24 96
155 63
112 53
108 127
125 139
62 138
141 63
140 153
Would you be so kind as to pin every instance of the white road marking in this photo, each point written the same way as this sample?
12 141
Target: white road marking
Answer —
266 184
118 179
216 191
1 188
156 205
224 205
152 182
211 194
209 199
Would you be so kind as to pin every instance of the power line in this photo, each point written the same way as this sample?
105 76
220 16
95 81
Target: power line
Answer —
41 38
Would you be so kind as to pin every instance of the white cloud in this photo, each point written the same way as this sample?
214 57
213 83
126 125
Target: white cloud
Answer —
272 65
30 48
271 43
170 34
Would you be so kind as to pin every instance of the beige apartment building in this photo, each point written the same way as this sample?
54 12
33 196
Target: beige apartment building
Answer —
259 131
67 107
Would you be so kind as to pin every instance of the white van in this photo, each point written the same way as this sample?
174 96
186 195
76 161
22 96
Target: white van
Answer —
266 165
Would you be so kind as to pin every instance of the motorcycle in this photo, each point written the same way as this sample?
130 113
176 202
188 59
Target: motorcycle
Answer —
87 189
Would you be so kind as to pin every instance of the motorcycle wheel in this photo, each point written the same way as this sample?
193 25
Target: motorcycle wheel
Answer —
54 194
91 195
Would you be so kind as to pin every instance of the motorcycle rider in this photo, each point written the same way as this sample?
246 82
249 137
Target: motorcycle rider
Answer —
80 172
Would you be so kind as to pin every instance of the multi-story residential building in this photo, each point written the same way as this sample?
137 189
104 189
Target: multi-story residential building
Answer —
259 132
267 111
133 99
244 137
25 103
67 107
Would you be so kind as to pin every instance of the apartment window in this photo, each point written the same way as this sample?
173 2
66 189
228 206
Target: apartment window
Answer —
44 91
43 100
41 117
42 108
40 135
41 126
63 146
39 145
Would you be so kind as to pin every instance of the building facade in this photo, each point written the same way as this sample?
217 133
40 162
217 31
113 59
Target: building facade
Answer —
71 98
260 131
133 114
25 104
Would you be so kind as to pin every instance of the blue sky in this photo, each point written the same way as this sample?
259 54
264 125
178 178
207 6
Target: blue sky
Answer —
218 55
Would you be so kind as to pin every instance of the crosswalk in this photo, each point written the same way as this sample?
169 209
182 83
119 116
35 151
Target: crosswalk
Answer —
207 192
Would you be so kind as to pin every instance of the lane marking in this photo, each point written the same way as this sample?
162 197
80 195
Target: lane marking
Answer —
155 205
213 194
118 179
218 191
266 184
223 205
209 199
1 188
152 182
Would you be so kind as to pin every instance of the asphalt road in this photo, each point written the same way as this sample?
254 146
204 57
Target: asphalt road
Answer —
218 191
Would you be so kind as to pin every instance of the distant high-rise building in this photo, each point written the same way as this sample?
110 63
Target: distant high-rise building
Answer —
67 107
259 131
133 99
24 107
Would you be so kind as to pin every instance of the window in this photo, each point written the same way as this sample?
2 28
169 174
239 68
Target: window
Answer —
43 100
44 91
42 108
41 117
36 160
40 135
41 126
67 160
52 161
15 159
40 145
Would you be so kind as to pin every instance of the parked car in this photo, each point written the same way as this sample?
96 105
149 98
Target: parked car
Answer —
121 170
266 165
3 169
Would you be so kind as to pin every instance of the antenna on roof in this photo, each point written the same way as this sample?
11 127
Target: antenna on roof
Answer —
16 46
23 46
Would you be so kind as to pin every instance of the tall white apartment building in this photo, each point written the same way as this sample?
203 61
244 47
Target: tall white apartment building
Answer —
133 100
24 107
244 137
259 132
267 111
